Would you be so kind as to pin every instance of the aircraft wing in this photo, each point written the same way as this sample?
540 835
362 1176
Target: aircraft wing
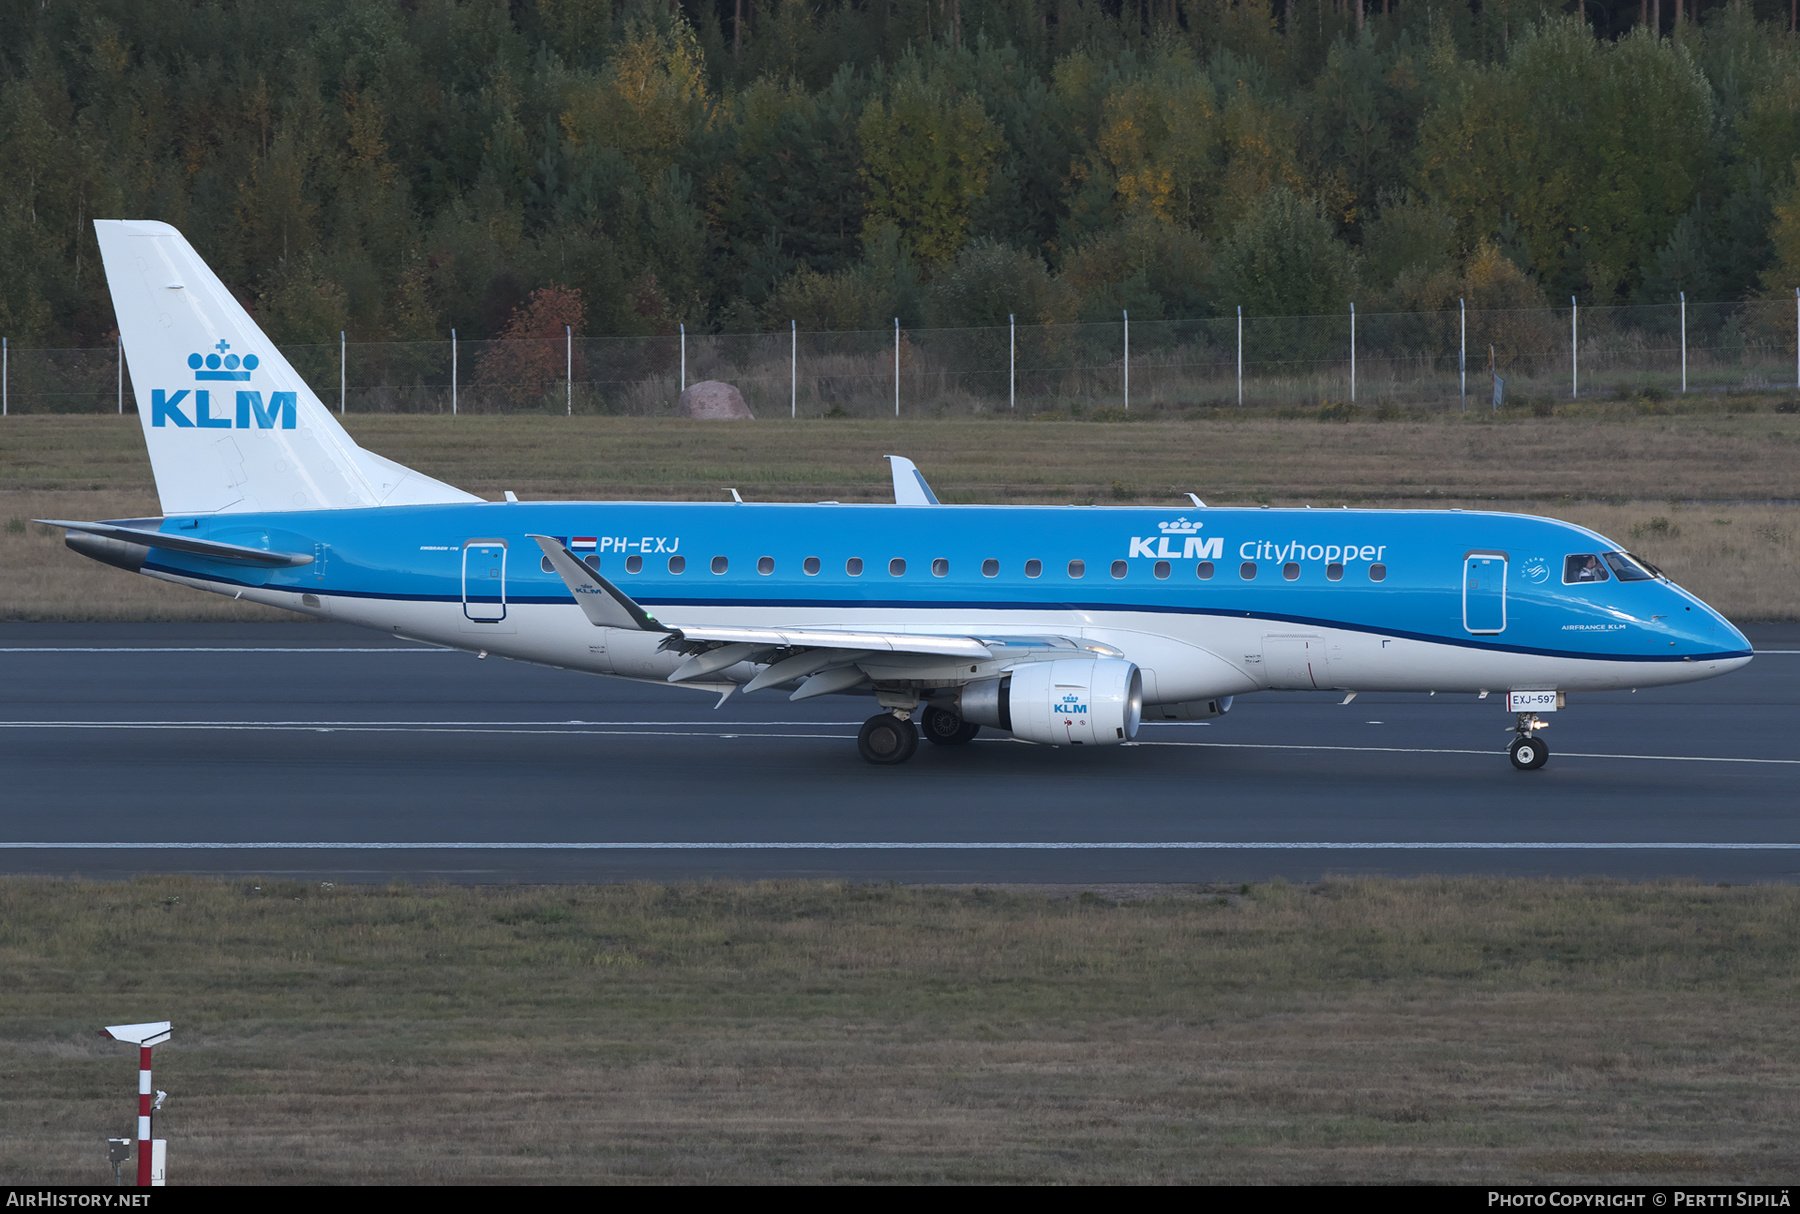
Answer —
828 659
235 553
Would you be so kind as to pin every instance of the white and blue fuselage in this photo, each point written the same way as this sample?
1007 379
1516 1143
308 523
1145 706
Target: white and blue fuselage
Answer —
1064 625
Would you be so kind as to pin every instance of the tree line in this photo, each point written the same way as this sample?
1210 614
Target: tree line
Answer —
399 168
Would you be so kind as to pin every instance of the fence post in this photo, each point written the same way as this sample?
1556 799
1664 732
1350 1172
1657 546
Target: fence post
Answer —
684 356
453 373
121 356
1684 342
569 369
896 366
1353 352
1240 356
1462 354
793 368
1012 362
1574 349
1127 364
343 374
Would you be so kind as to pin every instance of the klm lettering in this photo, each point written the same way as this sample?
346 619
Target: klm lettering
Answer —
1193 548
251 412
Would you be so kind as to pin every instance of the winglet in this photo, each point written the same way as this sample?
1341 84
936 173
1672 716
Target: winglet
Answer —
605 605
910 488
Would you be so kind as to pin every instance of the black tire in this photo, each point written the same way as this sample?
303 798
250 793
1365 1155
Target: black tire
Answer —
942 728
885 740
1529 754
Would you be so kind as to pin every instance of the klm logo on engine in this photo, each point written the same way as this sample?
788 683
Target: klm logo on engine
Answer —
1070 706
251 412
1193 547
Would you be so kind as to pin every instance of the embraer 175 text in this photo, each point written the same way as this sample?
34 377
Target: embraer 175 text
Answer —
1064 625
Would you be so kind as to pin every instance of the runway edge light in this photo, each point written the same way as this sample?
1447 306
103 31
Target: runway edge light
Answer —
145 1037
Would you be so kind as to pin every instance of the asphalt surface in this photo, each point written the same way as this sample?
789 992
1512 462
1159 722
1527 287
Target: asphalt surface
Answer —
327 752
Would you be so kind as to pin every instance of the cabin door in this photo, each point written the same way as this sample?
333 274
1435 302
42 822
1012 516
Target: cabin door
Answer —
484 581
1484 593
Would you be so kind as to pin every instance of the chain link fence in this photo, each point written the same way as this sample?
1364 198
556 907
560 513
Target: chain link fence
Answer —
1432 361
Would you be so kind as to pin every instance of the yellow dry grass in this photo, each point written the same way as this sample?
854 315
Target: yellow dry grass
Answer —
1615 474
1359 1030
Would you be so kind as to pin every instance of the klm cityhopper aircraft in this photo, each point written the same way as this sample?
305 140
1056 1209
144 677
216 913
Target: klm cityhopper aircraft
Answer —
1064 625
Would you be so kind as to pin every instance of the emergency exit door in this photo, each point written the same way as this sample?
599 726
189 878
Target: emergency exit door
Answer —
484 581
1484 593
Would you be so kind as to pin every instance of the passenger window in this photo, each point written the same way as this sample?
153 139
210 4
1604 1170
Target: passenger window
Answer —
633 564
1334 572
547 566
1204 571
1247 571
939 567
1628 568
1118 568
678 564
765 565
1034 568
1077 568
1583 567
897 567
1378 573
719 564
990 568
853 566
1291 571
1162 569
811 565
592 562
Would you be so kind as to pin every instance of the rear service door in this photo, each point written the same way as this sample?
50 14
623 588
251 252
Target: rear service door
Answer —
1484 593
484 580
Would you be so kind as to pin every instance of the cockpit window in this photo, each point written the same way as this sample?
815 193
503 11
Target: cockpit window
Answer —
1583 567
1628 568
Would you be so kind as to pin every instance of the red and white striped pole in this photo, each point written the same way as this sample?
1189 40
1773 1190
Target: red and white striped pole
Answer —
145 1037
144 1094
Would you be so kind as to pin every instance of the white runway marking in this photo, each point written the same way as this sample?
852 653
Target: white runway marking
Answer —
888 845
762 729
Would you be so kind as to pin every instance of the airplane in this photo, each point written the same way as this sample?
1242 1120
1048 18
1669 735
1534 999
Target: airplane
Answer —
1062 625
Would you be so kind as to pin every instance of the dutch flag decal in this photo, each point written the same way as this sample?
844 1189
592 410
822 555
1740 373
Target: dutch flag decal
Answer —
588 542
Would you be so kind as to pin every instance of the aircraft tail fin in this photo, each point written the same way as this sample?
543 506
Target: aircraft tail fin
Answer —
230 424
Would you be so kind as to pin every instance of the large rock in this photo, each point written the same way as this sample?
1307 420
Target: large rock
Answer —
712 400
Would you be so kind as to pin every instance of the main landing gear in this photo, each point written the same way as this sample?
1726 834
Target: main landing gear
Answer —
887 739
1528 753
946 728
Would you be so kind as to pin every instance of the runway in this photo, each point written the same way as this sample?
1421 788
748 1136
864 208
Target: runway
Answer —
329 753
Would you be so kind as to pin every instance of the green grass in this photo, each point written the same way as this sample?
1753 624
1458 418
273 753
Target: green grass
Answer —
1357 1030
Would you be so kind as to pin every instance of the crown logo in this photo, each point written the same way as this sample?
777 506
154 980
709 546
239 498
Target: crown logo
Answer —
221 365
1180 527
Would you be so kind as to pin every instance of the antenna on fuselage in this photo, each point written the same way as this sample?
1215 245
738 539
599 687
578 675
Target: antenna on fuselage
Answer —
1195 498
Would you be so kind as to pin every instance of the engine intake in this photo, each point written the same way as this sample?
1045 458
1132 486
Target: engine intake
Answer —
1066 702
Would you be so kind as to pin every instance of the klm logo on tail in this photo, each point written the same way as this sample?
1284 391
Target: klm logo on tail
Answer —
280 411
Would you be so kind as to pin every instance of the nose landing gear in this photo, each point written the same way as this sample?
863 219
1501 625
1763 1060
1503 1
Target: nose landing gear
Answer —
1528 753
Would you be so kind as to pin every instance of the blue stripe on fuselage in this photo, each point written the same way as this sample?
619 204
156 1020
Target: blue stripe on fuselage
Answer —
416 554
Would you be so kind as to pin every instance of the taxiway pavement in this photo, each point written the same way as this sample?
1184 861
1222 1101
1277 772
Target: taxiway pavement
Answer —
330 753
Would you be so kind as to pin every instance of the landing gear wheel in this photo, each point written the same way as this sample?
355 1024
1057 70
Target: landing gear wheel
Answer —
946 728
886 739
1529 754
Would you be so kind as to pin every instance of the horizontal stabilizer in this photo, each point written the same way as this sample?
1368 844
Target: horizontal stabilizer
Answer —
212 549
604 604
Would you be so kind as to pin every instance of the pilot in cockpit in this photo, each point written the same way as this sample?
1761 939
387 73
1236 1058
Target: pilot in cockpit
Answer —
1584 567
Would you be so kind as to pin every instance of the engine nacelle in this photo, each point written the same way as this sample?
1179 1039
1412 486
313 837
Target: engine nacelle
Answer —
1191 710
1066 702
